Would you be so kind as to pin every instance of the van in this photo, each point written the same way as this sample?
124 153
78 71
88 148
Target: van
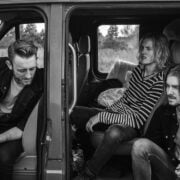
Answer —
81 43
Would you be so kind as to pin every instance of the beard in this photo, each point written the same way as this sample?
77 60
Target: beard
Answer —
22 81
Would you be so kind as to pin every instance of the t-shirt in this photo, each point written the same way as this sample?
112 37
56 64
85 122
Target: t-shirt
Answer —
7 104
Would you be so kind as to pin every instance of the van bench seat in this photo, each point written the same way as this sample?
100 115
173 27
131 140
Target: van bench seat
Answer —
26 165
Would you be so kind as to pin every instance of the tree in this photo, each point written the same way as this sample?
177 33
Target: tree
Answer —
111 39
30 29
112 32
30 33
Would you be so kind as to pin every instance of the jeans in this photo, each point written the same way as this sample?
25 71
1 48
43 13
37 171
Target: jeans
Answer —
148 158
9 152
113 136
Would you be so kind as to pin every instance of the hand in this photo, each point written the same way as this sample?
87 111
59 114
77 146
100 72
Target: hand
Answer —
177 171
92 121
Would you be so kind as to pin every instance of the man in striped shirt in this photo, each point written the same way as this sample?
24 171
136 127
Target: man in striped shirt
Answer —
128 115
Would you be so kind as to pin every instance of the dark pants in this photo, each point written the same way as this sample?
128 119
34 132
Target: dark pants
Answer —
9 152
148 159
114 135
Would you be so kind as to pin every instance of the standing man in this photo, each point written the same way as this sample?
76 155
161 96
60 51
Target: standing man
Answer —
160 153
126 117
21 85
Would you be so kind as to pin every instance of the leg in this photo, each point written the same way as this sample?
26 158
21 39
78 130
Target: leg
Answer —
114 135
9 152
79 118
147 156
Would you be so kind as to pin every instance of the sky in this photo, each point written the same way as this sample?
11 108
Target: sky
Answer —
39 26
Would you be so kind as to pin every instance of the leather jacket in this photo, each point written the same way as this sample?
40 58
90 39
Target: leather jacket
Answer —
26 100
162 130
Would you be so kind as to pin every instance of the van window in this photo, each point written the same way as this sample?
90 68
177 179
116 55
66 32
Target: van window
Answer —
5 41
33 31
117 43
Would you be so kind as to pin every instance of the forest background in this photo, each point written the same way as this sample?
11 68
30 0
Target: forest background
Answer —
115 43
119 43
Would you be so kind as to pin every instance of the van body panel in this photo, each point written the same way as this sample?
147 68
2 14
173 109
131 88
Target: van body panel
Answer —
78 1
55 27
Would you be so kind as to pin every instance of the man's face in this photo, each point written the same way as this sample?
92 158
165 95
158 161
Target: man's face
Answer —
23 69
172 90
147 52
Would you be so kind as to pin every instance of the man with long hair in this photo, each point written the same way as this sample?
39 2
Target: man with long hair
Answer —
159 152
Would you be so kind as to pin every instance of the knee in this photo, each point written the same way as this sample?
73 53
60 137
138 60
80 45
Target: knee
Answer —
141 147
5 158
114 133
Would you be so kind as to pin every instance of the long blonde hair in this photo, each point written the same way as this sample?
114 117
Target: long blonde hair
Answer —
160 46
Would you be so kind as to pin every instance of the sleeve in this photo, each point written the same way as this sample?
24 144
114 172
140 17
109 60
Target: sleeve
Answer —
25 115
135 119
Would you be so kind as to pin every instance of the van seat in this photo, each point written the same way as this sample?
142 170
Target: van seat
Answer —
83 62
119 70
26 164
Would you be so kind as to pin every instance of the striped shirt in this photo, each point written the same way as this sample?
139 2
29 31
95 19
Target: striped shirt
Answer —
137 102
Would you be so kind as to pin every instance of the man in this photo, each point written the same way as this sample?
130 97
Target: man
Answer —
127 116
160 153
21 85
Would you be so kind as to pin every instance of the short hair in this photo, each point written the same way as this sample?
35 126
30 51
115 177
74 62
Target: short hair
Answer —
174 71
22 48
160 47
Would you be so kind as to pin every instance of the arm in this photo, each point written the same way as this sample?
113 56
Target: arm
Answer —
177 171
133 118
11 134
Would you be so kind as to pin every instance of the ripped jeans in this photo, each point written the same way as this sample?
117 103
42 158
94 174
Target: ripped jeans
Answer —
148 158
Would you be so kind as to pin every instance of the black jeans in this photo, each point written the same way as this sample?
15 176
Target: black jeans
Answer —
113 136
9 152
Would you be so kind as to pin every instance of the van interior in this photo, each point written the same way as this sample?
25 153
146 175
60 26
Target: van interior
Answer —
87 62
89 28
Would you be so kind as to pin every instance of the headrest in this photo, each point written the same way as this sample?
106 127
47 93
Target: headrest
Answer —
172 30
84 44
120 69
175 51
